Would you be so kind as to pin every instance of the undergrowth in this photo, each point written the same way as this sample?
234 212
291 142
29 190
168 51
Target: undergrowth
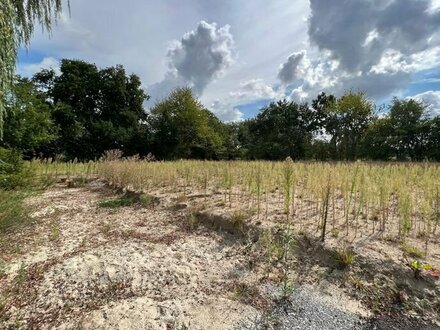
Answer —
126 200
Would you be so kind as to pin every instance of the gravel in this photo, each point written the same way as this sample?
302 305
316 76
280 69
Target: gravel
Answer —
306 310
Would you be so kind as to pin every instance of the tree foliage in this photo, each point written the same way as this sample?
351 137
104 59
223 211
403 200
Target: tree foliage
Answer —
280 130
86 110
183 128
29 125
17 20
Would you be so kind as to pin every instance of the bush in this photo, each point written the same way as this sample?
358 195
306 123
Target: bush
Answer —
11 161
13 173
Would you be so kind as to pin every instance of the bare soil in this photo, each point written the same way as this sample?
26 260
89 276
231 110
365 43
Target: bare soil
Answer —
187 262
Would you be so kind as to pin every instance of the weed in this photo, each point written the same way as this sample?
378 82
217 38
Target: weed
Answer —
193 222
122 201
412 251
106 228
183 326
239 220
55 231
128 199
12 210
345 257
146 200
418 266
21 277
334 232
2 268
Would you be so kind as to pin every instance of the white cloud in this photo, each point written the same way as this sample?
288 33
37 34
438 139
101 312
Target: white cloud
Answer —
373 46
226 111
255 89
201 56
29 69
431 99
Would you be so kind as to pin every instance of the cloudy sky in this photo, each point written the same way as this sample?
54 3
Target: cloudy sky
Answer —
238 55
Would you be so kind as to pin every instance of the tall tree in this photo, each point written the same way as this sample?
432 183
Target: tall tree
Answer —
183 128
407 124
96 109
348 118
17 20
281 129
29 126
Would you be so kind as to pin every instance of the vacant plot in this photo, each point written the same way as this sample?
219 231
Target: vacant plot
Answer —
226 245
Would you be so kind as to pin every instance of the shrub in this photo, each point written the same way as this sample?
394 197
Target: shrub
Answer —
13 173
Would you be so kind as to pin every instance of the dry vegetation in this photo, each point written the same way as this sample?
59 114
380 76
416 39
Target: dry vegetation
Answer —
369 229
394 202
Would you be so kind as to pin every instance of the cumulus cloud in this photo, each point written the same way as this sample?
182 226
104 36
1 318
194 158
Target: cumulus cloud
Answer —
202 54
198 58
226 111
373 46
405 26
431 99
255 89
289 70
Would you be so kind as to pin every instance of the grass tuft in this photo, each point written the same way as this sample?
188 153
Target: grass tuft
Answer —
412 251
127 199
12 211
345 257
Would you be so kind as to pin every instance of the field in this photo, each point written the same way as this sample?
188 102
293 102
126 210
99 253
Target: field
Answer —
367 233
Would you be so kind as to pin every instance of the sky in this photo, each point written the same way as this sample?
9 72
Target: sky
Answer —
239 55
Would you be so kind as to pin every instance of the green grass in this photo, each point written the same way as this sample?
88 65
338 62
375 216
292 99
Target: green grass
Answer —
117 202
126 200
412 251
12 210
345 257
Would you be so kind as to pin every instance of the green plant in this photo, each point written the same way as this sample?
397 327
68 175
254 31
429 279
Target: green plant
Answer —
21 276
193 222
105 228
345 257
122 201
183 326
239 220
412 251
245 292
418 266
12 210
146 200
55 232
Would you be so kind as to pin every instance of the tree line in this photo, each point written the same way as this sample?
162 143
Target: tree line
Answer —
85 110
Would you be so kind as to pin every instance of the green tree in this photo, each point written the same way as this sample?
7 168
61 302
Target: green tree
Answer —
29 126
408 134
17 20
433 139
281 129
376 140
97 109
348 118
183 128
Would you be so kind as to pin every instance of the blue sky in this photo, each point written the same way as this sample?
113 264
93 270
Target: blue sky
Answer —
239 55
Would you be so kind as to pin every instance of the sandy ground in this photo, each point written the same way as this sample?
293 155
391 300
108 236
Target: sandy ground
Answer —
80 266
